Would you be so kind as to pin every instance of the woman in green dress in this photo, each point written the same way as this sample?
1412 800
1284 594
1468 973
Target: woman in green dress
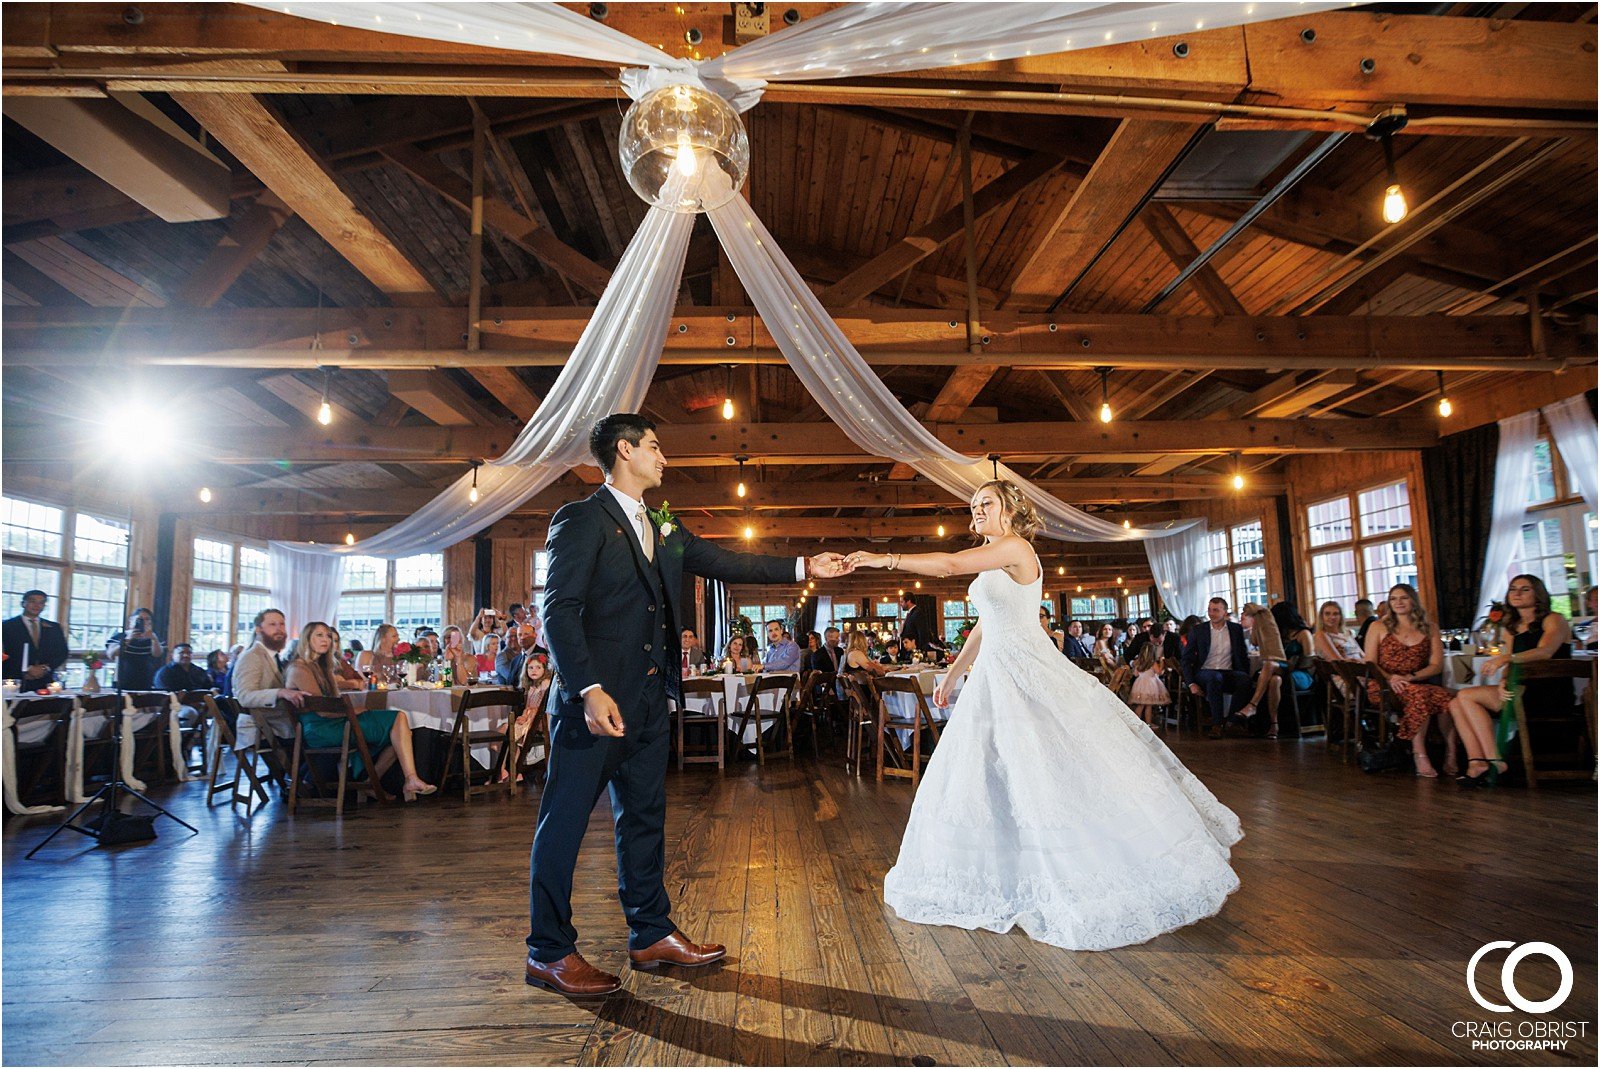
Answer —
313 671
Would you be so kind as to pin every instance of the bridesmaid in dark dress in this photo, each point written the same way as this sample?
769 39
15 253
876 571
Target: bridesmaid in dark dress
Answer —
1538 634
1407 647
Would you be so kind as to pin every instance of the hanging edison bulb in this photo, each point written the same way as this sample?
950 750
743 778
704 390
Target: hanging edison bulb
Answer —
749 533
1394 203
727 408
324 413
941 530
684 149
1238 480
349 538
205 494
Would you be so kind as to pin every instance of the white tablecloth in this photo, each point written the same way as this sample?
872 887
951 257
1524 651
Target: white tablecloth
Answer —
735 695
82 727
903 705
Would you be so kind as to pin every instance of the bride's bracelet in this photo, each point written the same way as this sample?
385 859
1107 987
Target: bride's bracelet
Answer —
894 561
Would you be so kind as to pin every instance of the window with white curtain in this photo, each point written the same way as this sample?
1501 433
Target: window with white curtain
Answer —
79 558
408 593
1237 572
230 586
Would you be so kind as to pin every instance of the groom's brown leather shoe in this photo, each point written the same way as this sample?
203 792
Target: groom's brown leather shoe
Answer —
676 949
571 976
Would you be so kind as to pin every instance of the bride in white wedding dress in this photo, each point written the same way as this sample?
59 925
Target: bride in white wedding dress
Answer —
1048 804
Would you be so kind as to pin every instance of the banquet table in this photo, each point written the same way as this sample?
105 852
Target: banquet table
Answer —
83 726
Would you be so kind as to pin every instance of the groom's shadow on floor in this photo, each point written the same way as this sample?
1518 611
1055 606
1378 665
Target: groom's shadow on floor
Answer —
626 1012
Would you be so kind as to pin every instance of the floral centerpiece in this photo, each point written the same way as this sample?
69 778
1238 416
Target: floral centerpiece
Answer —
414 658
1489 628
93 662
962 635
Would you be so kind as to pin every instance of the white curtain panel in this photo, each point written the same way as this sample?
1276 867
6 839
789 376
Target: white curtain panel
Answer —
1178 564
305 583
1512 469
1573 426
853 396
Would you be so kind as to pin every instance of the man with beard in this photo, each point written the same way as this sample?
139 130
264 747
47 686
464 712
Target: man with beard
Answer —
257 678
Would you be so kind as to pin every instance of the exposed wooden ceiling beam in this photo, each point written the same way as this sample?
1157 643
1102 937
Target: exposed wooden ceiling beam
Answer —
1089 217
85 277
541 243
430 337
780 494
436 396
808 443
927 240
134 147
1181 250
251 128
34 284
234 252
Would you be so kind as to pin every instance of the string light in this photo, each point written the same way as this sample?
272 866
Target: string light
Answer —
349 538
1080 588
749 533
1061 569
741 490
727 396
1105 394
1382 129
1445 407
941 530
1119 580
918 584
1238 472
205 494
472 495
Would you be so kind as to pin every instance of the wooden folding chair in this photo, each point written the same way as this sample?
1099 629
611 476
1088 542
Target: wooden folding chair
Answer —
815 691
1354 675
463 739
351 734
38 758
538 732
1335 702
223 714
783 683
1576 762
862 702
709 708
1177 695
150 740
919 721
1121 682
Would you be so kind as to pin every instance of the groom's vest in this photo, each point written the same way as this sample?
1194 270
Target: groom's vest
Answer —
660 652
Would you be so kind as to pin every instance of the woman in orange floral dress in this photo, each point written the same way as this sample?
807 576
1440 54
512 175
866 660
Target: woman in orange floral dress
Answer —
1406 646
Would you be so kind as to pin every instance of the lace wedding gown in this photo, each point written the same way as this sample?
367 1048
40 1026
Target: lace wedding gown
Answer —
1049 805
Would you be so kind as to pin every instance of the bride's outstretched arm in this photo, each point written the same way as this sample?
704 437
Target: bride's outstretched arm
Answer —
1002 553
963 662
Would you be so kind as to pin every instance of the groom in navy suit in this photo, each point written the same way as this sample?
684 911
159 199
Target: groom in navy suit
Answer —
611 619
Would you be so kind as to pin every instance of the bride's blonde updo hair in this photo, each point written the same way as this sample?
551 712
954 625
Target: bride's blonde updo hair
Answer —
1024 518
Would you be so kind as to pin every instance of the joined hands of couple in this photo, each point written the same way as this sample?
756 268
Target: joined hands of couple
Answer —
834 565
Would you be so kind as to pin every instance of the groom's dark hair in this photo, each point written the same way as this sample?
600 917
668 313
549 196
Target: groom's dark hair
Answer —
618 427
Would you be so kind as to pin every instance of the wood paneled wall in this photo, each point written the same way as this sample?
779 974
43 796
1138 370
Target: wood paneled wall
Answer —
458 583
511 570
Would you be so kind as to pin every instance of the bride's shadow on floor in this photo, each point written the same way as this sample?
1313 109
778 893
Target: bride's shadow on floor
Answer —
700 1039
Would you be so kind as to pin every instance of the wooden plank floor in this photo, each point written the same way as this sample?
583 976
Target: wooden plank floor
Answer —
394 936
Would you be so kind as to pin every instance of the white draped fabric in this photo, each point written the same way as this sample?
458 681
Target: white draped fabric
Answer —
1512 469
1178 564
1573 427
305 582
616 357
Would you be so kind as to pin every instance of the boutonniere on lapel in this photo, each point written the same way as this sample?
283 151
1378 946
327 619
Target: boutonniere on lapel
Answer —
664 520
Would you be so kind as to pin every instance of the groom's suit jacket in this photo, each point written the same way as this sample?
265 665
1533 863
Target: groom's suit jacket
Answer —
611 616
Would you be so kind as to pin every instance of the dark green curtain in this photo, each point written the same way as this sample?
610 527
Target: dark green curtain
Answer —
1458 485
805 620
1291 588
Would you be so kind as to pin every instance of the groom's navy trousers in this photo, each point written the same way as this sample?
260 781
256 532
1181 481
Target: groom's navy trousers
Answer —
581 767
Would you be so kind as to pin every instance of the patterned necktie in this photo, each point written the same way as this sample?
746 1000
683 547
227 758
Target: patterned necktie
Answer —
646 535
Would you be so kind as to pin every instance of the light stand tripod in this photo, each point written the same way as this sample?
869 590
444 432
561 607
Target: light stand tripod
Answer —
108 794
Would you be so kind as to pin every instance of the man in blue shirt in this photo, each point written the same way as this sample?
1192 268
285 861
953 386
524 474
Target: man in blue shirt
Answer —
782 655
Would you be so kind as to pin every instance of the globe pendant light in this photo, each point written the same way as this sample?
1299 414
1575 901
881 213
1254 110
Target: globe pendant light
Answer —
673 143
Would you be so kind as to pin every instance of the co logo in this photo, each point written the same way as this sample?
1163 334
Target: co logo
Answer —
1508 977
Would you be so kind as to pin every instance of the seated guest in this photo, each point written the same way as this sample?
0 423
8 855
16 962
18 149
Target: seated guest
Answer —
509 664
858 655
1105 647
1297 646
1406 646
1259 624
487 622
908 652
1365 618
379 659
217 669
517 614
535 684
1141 636
463 665
1073 644
827 657
181 673
1049 629
1583 626
689 643
33 641
737 656
782 655
349 677
1332 641
1216 663
257 679
138 652
1538 634
313 671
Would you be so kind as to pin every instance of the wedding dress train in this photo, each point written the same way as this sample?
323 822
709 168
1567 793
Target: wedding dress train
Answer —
1049 805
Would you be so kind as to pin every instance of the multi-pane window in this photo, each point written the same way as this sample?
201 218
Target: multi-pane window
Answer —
761 615
1235 557
1558 534
230 586
1138 606
1093 608
80 559
408 593
954 614
1361 545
